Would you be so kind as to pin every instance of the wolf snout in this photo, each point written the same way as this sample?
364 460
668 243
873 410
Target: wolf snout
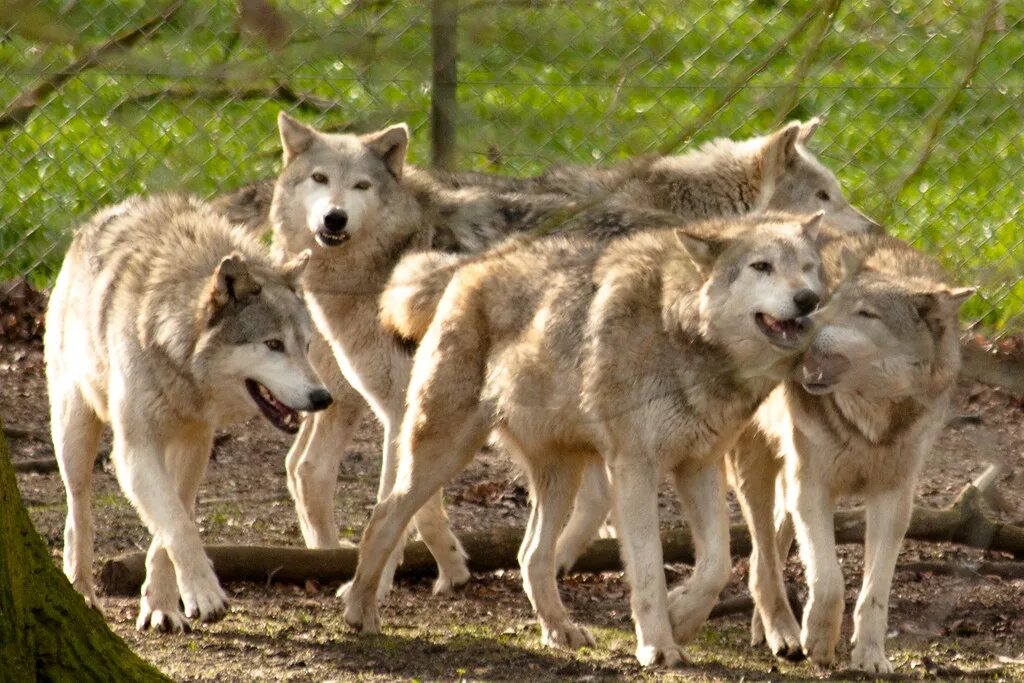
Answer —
806 300
335 220
820 372
320 399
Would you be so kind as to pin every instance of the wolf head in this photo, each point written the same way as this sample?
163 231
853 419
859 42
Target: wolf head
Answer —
793 180
335 187
763 278
254 335
884 335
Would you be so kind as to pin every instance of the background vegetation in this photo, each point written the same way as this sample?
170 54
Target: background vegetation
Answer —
923 102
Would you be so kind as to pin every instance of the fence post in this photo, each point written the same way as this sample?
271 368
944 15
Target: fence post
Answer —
444 16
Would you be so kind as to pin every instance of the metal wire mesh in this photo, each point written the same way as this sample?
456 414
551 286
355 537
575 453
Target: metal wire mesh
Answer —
922 99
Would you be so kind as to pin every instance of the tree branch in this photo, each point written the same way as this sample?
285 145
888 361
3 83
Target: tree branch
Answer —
279 91
790 94
938 113
737 85
24 104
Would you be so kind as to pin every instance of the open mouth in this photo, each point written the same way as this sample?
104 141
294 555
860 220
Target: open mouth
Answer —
785 333
325 238
817 388
279 415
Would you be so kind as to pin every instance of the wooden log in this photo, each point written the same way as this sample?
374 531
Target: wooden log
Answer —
962 523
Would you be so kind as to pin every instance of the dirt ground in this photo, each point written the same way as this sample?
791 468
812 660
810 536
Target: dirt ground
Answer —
941 627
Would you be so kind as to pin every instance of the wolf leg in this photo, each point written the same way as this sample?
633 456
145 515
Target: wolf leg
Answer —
433 461
186 458
811 506
754 471
702 494
635 499
444 426
784 538
139 462
314 458
432 526
888 516
589 513
554 483
76 431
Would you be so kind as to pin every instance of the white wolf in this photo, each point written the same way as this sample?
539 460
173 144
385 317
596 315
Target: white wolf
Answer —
167 322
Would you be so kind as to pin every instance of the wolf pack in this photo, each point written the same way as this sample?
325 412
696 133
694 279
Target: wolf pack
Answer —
722 317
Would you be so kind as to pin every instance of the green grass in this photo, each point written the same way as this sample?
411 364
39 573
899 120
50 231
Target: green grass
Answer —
561 81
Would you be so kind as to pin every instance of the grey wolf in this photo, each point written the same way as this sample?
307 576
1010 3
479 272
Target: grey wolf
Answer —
646 354
721 177
869 399
166 322
378 194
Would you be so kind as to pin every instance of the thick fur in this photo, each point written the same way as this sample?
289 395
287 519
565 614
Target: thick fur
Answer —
887 355
160 314
393 209
644 355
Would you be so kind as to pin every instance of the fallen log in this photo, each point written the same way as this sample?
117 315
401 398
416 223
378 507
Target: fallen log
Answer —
963 523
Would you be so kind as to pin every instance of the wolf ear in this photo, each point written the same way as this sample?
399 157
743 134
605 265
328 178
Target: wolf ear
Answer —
780 150
293 269
936 306
811 227
230 284
807 129
390 146
296 137
849 262
701 249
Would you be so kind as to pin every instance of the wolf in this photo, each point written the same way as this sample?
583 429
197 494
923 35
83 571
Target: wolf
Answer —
167 322
721 177
646 354
868 401
371 198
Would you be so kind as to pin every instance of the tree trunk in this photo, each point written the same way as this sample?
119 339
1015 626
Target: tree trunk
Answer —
46 630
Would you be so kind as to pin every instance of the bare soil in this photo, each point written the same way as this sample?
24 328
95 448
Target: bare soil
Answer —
941 627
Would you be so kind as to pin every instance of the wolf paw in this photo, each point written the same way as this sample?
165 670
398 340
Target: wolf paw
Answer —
446 584
819 648
165 620
870 658
88 593
784 640
667 656
363 619
204 599
566 635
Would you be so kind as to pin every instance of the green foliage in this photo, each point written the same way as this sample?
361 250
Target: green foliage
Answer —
540 83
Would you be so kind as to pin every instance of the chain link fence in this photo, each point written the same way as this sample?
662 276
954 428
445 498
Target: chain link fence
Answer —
922 101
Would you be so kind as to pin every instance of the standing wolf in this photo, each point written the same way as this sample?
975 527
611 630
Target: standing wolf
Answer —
355 202
166 322
647 354
872 398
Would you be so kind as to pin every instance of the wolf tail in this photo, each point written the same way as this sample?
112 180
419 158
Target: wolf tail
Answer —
411 297
248 206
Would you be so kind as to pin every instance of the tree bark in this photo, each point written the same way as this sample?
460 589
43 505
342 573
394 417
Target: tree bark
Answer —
46 630
443 99
962 522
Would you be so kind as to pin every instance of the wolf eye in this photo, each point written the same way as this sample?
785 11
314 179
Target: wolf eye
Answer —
362 185
319 177
275 345
870 315
822 195
762 267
